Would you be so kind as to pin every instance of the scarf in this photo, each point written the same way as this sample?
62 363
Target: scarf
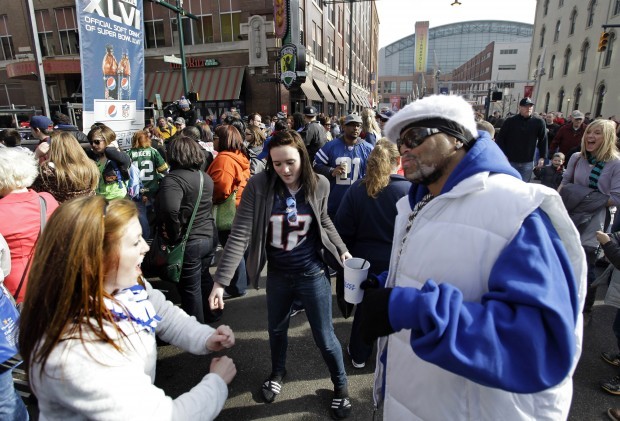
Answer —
596 171
132 310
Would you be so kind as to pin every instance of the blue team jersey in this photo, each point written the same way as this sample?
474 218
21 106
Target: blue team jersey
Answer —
292 235
331 155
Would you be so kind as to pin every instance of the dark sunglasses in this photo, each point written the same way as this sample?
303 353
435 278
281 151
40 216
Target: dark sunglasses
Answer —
415 136
95 142
291 209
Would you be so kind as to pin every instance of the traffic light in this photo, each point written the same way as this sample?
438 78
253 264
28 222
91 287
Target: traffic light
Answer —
602 42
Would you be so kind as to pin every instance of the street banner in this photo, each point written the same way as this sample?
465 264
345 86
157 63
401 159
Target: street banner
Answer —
421 46
528 90
112 62
394 102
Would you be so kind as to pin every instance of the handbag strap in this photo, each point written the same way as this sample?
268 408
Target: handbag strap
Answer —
43 210
191 221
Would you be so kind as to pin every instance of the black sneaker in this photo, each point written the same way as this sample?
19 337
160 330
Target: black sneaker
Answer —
271 388
613 359
612 386
340 407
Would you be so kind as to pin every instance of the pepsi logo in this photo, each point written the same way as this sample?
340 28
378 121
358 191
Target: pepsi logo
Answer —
111 83
111 111
124 83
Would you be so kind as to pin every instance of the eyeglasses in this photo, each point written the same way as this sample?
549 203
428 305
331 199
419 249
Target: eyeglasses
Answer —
291 209
415 136
95 141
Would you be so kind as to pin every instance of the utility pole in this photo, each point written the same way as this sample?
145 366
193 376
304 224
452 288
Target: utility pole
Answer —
180 13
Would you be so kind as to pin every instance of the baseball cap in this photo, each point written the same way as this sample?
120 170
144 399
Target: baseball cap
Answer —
40 122
353 118
179 120
451 113
310 111
386 115
525 102
281 115
577 115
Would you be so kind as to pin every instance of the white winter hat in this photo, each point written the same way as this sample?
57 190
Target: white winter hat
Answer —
450 108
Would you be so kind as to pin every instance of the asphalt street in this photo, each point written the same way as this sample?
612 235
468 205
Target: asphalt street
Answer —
306 391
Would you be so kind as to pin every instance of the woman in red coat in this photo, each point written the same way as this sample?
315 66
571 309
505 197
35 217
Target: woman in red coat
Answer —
20 213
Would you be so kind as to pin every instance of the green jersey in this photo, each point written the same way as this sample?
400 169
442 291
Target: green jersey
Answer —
152 166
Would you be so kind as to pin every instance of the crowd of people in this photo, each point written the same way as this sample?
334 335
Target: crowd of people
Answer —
443 189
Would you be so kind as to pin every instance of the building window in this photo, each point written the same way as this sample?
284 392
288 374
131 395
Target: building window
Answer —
406 87
577 97
67 30
331 60
556 35
542 36
512 51
584 56
302 27
229 22
561 3
154 33
609 50
547 99
572 21
201 31
545 7
617 7
567 54
560 99
506 67
591 8
7 52
319 44
46 33
551 67
389 87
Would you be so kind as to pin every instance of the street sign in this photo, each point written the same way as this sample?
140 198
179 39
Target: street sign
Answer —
172 59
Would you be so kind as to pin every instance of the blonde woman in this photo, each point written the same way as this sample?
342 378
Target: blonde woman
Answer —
370 128
68 172
372 198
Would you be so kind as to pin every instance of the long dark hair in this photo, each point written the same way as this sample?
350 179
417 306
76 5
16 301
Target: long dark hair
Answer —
308 179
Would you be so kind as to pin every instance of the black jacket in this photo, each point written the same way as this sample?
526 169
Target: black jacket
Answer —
520 136
175 203
314 138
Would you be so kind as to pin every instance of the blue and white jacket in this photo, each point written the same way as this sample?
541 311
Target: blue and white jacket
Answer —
487 300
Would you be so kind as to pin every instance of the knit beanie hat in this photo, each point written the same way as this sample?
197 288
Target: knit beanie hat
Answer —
183 103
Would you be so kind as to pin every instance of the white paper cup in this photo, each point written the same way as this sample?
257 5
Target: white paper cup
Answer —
354 275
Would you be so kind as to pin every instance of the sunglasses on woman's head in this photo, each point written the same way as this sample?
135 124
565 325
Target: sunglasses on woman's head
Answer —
291 209
415 136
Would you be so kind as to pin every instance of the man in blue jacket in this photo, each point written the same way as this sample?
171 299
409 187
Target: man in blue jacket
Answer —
480 316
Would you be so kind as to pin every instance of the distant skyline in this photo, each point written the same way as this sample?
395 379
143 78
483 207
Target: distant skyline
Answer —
397 18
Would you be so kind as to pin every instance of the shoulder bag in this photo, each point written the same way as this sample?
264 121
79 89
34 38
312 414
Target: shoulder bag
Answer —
224 213
166 260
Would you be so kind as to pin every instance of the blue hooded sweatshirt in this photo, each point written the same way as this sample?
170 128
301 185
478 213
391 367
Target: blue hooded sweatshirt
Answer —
532 294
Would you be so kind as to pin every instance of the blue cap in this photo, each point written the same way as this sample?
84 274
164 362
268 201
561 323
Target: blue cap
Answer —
265 152
40 122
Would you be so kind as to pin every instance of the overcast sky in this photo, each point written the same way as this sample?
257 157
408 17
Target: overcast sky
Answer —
398 17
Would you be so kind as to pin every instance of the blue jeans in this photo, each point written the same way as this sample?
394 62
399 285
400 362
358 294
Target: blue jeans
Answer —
196 281
314 291
143 209
239 281
525 169
12 407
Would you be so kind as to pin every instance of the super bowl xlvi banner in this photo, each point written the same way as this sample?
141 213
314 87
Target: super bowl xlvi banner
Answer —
112 60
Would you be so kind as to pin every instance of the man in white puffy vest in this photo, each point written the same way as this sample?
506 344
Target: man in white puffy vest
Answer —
479 316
